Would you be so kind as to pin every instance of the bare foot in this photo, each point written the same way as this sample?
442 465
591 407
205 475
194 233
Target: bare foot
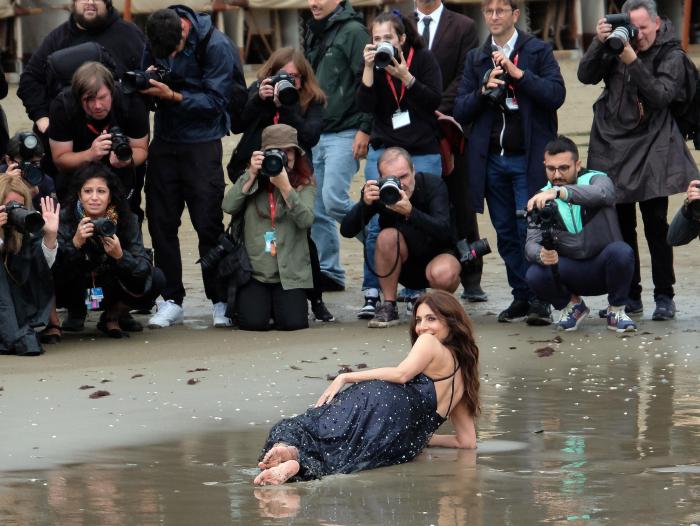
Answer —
278 475
277 454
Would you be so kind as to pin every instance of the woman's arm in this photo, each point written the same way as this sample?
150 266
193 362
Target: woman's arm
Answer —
465 432
415 363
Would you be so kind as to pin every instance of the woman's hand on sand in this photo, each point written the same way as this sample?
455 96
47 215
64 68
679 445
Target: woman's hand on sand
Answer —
331 391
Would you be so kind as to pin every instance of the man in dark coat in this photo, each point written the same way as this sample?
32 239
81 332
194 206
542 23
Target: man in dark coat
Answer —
637 142
94 21
508 136
449 37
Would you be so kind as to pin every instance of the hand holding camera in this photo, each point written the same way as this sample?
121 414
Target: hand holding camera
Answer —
540 200
83 233
368 54
101 146
504 63
399 69
112 246
549 257
266 89
370 192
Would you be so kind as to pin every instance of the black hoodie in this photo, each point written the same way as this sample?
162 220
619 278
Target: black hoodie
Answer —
123 40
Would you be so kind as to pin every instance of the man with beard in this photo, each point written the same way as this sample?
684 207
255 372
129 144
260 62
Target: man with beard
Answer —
90 21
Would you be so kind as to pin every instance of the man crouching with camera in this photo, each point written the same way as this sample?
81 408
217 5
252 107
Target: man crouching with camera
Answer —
686 223
25 278
415 246
574 241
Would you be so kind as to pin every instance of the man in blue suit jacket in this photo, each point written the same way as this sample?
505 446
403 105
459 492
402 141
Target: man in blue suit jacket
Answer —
512 118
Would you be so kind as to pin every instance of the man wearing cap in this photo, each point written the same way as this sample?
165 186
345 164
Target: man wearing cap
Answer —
277 210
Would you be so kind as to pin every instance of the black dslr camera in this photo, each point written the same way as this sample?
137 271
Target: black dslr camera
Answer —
137 80
496 96
103 227
389 190
468 252
286 89
543 218
273 161
25 221
623 32
383 55
29 148
120 144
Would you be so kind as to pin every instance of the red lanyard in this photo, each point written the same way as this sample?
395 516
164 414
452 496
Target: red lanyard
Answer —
95 131
511 86
273 207
403 86
276 118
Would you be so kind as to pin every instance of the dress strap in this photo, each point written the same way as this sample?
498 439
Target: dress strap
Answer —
452 393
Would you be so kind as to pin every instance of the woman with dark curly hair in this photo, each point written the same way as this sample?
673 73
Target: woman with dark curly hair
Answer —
101 258
388 415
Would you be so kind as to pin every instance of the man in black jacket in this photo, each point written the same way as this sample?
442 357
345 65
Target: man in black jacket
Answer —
90 21
415 246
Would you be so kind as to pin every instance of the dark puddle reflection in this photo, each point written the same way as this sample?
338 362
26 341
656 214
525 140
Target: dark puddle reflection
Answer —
609 443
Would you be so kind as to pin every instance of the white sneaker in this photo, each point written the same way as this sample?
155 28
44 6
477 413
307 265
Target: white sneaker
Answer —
169 313
218 312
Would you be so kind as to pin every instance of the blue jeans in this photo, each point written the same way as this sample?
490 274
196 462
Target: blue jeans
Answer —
334 166
609 272
506 192
422 163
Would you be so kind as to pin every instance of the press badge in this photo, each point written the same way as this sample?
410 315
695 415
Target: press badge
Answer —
270 243
512 103
93 297
400 119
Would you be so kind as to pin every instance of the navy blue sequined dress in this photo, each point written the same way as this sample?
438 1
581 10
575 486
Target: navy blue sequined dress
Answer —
368 425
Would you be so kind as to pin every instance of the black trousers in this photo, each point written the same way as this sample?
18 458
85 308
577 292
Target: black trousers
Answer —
180 174
316 293
654 216
257 303
465 216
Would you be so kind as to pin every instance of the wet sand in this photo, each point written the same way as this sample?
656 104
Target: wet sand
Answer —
593 433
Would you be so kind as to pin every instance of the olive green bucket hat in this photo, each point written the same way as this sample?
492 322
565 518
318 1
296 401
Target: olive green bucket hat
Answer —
280 136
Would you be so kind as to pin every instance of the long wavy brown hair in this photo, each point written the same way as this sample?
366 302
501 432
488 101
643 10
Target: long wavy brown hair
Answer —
460 340
310 90
8 184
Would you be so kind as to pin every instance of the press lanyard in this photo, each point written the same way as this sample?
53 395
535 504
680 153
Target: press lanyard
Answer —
510 85
271 237
273 207
276 118
403 86
95 131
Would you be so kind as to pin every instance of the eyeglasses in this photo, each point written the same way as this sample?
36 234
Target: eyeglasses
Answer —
85 2
563 169
497 13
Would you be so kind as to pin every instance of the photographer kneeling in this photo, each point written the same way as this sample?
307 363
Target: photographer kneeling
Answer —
23 159
414 246
686 223
101 258
588 257
25 278
275 196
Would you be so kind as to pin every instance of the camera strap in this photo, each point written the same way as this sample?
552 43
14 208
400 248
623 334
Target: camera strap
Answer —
96 131
403 86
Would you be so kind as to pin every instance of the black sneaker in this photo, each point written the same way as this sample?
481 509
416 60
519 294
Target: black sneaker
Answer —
516 311
321 312
631 307
368 309
386 315
539 313
474 295
665 308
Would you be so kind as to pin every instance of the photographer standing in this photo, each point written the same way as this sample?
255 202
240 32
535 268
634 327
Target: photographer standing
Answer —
277 210
101 258
94 121
184 165
26 287
589 256
686 223
634 137
401 88
509 96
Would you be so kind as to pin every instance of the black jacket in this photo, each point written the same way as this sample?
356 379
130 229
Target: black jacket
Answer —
258 114
683 228
429 219
123 40
421 100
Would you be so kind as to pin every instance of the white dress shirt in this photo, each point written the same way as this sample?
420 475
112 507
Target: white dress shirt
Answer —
435 20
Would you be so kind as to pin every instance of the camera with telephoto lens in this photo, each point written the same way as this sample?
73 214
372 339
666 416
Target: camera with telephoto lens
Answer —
623 32
470 251
389 190
29 149
273 161
25 221
103 227
287 92
136 80
212 258
384 53
120 144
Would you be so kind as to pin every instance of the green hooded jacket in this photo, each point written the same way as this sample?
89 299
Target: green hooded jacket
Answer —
339 69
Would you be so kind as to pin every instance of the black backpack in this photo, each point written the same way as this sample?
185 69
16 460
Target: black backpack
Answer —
61 64
687 112
239 97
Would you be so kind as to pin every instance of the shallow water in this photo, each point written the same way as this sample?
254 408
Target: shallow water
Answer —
596 434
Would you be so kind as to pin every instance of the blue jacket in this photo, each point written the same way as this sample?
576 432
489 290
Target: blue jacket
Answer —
202 114
540 93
